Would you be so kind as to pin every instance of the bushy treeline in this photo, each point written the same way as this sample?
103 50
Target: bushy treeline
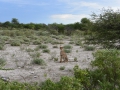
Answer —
104 75
61 28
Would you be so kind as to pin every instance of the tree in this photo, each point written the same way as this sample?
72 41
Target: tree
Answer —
85 24
6 24
106 26
15 22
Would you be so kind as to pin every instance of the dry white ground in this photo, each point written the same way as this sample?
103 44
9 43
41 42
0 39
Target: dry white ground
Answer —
19 61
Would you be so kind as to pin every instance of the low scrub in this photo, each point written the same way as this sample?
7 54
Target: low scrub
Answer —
42 46
67 47
46 51
89 48
67 50
15 43
38 61
2 62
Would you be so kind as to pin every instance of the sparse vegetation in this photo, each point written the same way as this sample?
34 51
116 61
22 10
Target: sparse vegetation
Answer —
38 61
2 62
1 47
75 59
62 67
42 46
89 48
67 50
67 47
46 51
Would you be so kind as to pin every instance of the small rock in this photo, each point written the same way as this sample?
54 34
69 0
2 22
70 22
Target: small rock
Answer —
35 76
32 72
19 67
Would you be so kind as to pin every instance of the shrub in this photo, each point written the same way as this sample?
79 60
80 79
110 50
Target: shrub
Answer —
1 47
67 47
67 50
71 42
38 61
89 48
107 72
62 67
68 83
42 46
29 50
2 62
55 46
78 43
75 59
35 55
36 42
46 51
15 43
82 76
55 59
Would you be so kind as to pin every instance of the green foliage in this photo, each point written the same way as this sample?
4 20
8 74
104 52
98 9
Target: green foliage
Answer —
29 50
2 62
46 51
1 47
67 47
17 86
42 46
108 64
67 50
55 59
65 83
75 59
55 46
82 76
48 85
89 48
15 43
35 55
38 61
71 42
36 42
106 27
62 67
68 83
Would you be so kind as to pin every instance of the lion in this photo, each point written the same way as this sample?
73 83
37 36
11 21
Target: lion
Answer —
63 55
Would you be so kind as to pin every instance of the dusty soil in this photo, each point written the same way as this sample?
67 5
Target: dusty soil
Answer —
19 61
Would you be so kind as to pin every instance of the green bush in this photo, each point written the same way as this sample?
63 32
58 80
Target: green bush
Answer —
2 62
67 50
42 46
78 43
38 61
36 42
17 86
35 55
68 83
67 47
55 46
29 50
1 47
89 48
65 83
15 43
46 51
107 73
62 67
71 42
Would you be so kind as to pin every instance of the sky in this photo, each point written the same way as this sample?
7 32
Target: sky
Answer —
52 11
